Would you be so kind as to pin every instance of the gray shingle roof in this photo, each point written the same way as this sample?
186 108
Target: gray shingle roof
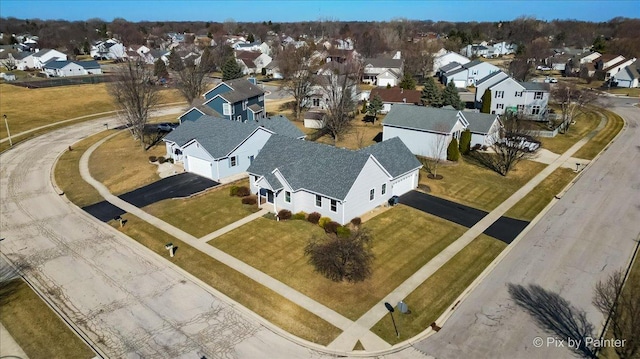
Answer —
479 122
384 62
319 168
41 52
22 55
488 77
421 118
61 64
242 90
394 156
535 86
281 125
450 66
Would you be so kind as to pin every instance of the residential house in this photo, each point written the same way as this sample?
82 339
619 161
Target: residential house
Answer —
395 95
528 98
239 100
221 150
382 71
110 49
155 54
627 77
71 68
607 70
484 83
485 128
468 74
305 176
426 131
324 85
252 62
447 58
273 70
477 50
35 60
247 46
340 55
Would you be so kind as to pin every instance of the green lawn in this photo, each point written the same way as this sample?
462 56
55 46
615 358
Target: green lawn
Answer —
202 214
603 137
529 207
585 123
470 183
258 298
37 328
404 239
439 291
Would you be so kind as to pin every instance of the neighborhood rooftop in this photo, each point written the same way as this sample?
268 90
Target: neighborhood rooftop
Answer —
479 122
394 156
241 89
422 118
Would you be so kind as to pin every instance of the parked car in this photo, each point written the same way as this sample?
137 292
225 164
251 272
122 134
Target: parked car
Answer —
551 80
543 68
166 126
524 142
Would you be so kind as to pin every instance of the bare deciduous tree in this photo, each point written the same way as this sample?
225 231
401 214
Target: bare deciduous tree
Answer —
620 302
438 148
340 91
9 63
572 101
342 258
298 70
135 95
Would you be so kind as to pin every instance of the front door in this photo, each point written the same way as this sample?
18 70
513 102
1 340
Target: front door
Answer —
270 196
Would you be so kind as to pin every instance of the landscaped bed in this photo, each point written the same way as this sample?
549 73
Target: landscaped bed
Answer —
404 239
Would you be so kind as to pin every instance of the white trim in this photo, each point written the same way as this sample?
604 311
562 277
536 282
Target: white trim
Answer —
189 110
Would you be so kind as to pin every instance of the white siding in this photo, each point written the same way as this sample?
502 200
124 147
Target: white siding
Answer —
200 166
404 184
357 201
419 143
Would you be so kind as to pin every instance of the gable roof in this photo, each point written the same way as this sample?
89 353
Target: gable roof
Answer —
632 72
535 86
280 125
489 77
422 118
247 55
59 64
331 172
42 52
394 156
450 66
383 62
480 122
242 89
396 95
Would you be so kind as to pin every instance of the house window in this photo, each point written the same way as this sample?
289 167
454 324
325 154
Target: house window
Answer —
518 93
535 110
499 94
261 98
226 109
233 161
520 108
316 102
372 194
538 95
239 118
244 105
251 159
287 196
384 189
334 205
318 201
499 106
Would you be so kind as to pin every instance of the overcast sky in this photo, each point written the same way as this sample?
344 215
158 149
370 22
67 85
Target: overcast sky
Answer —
291 11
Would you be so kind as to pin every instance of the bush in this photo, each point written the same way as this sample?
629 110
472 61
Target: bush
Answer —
249 200
314 217
153 158
356 221
323 221
243 191
465 142
343 232
299 216
453 153
233 191
331 227
161 159
284 214
170 160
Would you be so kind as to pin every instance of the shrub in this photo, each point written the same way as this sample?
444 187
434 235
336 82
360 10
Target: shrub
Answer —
249 200
343 232
299 216
314 217
453 153
465 142
331 227
243 191
284 214
233 191
153 158
161 159
356 221
323 221
170 160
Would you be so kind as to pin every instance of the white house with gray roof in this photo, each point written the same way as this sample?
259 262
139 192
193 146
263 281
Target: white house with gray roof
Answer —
36 60
468 74
382 71
220 149
337 183
485 128
484 83
628 77
446 59
71 68
528 98
426 131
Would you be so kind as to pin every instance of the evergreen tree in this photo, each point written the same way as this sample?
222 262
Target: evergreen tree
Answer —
465 142
375 106
231 70
250 38
453 153
486 102
450 97
175 61
408 83
431 95
160 69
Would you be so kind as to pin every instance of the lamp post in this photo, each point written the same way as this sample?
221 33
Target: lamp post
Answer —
391 310
8 133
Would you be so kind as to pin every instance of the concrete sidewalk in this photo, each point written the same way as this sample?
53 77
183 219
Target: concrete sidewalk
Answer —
349 337
234 225
368 339
8 346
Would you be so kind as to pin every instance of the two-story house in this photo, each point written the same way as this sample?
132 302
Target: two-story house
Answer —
110 49
237 100
528 98
382 71
469 73
36 60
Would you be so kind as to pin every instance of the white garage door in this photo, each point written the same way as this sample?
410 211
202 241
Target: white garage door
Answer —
403 186
460 83
199 167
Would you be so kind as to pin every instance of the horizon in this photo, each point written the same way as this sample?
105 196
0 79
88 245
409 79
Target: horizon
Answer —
309 11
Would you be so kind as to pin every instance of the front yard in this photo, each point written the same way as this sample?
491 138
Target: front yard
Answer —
585 123
404 239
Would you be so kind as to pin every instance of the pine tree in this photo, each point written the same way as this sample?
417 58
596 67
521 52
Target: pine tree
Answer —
431 95
250 38
408 83
465 142
160 69
175 62
375 106
450 97
231 70
453 153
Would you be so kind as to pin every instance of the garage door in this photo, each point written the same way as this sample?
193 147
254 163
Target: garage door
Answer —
460 83
403 186
199 167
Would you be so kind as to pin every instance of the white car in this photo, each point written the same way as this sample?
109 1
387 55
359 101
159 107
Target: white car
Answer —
551 80
543 68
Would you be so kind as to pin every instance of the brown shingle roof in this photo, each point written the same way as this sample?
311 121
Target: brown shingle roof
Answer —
396 95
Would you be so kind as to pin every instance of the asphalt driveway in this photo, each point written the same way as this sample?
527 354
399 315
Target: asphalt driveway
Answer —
505 229
178 186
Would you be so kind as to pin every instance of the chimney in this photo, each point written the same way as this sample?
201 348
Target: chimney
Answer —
401 90
404 100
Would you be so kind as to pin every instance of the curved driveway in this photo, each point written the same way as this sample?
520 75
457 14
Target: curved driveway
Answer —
590 232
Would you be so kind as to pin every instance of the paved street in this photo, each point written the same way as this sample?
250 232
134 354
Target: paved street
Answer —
589 233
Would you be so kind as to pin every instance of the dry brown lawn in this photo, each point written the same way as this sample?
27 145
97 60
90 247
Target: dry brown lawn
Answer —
585 123
603 137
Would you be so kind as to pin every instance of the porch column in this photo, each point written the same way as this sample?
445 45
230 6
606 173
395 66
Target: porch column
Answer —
259 198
